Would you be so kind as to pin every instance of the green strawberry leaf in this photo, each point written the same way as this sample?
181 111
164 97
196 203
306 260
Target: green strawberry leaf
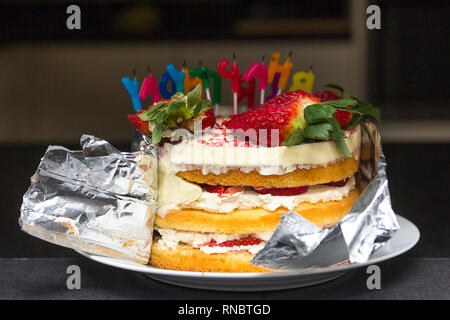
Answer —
342 147
146 115
367 109
156 134
341 103
200 107
194 96
320 131
318 112
295 138
175 106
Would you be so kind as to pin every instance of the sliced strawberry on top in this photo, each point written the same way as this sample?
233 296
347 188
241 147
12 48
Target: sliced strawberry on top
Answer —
138 123
283 113
292 191
343 117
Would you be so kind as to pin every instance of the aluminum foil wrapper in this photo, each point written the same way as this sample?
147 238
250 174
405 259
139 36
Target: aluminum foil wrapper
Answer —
299 244
97 199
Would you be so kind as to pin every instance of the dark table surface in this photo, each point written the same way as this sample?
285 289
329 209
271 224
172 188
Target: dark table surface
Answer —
419 184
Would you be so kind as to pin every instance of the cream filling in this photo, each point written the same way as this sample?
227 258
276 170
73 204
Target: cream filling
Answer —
172 238
217 151
250 199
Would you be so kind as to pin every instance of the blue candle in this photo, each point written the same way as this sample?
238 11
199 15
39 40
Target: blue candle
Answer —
132 87
177 77
163 86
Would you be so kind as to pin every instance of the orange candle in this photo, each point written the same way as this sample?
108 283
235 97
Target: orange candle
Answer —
189 83
283 69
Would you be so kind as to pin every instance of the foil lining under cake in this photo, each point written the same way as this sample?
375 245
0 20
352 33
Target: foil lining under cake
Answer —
299 244
98 199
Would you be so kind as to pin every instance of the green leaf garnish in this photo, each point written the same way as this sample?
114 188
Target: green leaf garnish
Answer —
180 112
320 131
318 112
322 125
297 137
194 96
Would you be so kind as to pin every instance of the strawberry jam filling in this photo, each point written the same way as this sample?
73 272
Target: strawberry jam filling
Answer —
337 183
234 243
293 191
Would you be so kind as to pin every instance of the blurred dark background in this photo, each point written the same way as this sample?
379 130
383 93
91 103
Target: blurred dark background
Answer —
56 84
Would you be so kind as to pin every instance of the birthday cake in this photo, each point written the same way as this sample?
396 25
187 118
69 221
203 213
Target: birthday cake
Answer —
224 183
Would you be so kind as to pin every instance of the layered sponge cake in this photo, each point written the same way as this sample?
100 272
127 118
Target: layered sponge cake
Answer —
223 189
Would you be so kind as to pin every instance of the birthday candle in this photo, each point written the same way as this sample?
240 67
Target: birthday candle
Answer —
190 83
257 70
132 87
149 87
163 86
247 92
276 78
201 72
204 74
303 81
177 77
284 70
232 75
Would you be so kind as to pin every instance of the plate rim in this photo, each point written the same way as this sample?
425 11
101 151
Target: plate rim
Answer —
117 263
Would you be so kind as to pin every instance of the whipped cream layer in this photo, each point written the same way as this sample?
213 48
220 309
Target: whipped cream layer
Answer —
219 150
173 238
248 199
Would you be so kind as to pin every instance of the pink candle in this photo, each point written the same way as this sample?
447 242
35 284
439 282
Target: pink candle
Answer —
257 70
149 87
247 92
232 75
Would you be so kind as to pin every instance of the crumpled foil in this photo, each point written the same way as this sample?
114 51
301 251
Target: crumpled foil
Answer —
98 199
298 244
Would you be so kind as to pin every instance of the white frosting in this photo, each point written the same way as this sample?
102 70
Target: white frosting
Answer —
218 151
250 199
172 238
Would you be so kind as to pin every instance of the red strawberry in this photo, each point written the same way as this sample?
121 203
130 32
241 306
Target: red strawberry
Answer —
138 123
293 191
208 118
326 95
234 243
221 190
283 113
343 117
233 190
215 189
340 183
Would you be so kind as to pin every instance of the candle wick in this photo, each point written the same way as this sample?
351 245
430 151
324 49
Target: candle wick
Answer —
290 54
134 72
199 62
263 59
310 68
149 70
184 63
234 56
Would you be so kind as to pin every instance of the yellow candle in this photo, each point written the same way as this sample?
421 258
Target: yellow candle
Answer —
189 83
284 70
303 81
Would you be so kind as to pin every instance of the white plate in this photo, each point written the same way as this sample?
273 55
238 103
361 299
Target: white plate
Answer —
405 239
